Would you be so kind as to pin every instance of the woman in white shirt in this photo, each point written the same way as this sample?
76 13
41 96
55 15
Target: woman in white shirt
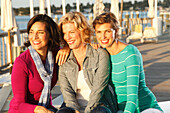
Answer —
84 76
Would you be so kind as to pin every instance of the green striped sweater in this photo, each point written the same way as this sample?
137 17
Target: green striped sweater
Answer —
128 78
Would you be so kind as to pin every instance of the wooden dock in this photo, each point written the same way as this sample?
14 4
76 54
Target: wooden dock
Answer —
156 57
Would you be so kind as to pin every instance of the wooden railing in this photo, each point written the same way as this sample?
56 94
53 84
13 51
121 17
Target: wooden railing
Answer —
127 25
4 47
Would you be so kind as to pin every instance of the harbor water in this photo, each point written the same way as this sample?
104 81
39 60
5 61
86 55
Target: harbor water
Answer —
23 20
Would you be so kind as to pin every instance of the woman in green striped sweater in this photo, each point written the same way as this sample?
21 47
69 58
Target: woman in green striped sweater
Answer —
128 77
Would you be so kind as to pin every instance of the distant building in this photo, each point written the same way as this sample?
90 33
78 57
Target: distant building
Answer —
21 13
87 11
72 10
131 8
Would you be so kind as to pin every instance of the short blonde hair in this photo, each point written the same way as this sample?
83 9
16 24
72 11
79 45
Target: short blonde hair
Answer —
80 22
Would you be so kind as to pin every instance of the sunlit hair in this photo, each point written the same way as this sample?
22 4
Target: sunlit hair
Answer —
107 17
51 27
80 22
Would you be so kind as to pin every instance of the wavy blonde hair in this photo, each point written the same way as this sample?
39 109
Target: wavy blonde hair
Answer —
80 22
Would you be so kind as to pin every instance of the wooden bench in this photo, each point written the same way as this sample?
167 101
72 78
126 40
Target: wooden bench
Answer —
165 105
57 102
4 94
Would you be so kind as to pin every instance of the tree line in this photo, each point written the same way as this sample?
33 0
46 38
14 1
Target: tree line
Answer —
88 8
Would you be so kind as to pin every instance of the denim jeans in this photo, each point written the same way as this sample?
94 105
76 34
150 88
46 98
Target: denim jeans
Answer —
98 109
53 109
66 110
101 109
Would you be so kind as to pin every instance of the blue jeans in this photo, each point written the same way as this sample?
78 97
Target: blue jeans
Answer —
53 109
101 109
66 110
98 109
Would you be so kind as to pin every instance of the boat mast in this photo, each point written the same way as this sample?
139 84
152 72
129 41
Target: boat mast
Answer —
121 13
31 8
63 6
78 5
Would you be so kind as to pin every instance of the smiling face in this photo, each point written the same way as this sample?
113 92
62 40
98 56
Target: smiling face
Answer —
39 36
105 34
72 35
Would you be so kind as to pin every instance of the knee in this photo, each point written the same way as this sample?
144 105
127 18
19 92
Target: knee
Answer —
66 110
101 109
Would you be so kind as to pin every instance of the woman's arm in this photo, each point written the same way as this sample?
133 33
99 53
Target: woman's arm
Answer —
133 72
19 80
100 80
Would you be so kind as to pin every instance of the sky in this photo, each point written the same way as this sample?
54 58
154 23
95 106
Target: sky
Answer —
25 3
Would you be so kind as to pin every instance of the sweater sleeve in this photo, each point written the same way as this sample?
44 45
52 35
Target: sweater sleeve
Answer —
133 72
19 80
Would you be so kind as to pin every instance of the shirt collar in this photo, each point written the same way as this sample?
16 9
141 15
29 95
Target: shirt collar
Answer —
89 52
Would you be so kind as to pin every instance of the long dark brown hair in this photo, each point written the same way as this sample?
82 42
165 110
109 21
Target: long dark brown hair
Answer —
51 27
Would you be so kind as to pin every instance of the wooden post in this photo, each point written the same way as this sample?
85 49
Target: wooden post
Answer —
128 27
3 49
162 16
137 14
90 19
167 20
10 51
151 22
0 53
121 18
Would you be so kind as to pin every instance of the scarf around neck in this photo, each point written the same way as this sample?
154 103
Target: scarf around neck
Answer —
45 74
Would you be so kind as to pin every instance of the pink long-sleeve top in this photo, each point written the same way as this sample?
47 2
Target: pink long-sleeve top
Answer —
27 84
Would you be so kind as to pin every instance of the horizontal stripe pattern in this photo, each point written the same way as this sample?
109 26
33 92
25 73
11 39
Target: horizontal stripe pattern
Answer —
129 80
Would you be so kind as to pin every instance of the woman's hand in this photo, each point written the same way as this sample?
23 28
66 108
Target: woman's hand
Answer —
62 55
77 111
95 46
41 109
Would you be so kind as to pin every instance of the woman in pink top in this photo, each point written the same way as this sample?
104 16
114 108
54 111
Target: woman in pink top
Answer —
35 72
